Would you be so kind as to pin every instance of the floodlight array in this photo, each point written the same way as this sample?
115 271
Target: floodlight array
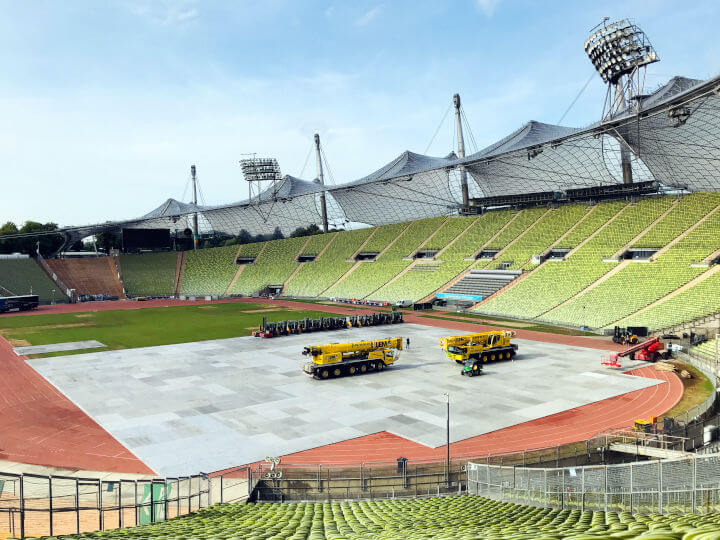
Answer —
618 49
260 169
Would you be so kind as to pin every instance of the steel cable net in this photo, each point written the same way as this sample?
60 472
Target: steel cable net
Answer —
422 195
680 144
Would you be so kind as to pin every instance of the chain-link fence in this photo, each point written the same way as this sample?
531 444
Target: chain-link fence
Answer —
36 505
687 485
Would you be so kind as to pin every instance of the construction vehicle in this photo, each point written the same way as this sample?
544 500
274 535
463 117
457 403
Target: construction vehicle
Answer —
455 341
647 351
479 348
625 336
338 359
284 328
645 425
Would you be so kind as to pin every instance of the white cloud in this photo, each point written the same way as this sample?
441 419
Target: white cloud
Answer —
368 17
178 16
165 12
487 6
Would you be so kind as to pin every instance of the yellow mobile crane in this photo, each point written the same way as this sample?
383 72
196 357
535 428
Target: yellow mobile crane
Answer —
337 359
473 350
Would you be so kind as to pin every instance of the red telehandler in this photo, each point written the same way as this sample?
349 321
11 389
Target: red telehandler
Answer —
647 351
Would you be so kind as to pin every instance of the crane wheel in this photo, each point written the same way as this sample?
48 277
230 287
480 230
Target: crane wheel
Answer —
363 368
337 372
324 373
484 358
380 365
351 370
492 358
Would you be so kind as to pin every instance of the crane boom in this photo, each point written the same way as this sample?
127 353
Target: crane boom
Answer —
337 359
355 347
638 347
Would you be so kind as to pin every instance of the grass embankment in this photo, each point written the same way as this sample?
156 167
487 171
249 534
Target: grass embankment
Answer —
125 329
695 390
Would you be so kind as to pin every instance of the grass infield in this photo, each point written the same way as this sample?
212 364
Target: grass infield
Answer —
126 329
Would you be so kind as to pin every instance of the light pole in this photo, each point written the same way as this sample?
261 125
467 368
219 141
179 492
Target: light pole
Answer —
447 440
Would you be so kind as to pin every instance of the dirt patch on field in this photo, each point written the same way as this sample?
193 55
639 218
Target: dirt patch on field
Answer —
266 310
206 307
84 315
19 342
35 329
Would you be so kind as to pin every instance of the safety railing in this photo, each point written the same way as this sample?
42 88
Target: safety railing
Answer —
686 485
37 505
377 480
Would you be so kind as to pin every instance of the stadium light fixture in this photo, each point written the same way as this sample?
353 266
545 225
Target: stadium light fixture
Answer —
260 169
619 49
620 52
261 173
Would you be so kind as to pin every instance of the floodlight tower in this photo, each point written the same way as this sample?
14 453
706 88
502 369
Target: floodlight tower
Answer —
461 149
193 174
620 52
321 177
261 173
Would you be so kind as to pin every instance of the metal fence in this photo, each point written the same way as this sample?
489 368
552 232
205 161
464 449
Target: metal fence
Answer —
686 485
376 480
37 505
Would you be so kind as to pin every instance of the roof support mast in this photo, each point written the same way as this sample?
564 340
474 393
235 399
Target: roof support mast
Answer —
461 149
194 201
323 204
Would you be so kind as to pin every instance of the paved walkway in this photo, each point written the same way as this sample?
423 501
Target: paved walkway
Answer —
39 425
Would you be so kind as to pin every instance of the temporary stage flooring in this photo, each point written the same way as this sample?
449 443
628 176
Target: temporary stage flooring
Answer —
210 405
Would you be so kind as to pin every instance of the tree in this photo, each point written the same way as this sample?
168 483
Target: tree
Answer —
244 237
309 231
49 243
277 234
9 245
106 241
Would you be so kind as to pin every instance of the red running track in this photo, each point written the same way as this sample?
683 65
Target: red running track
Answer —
39 425
565 427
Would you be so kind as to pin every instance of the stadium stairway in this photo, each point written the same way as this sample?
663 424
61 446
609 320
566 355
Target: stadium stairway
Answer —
506 226
95 275
662 301
241 267
642 233
607 275
479 282
179 271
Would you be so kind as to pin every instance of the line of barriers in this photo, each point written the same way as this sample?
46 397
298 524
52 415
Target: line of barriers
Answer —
38 505
687 485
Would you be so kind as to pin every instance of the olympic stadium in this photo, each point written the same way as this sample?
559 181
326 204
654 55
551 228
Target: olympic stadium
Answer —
305 363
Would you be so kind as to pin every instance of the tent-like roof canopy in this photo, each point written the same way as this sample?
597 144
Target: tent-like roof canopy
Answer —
674 138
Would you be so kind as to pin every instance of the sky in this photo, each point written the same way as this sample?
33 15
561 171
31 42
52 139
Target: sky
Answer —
104 105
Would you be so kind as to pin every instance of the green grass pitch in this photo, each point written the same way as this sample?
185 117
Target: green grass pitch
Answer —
147 327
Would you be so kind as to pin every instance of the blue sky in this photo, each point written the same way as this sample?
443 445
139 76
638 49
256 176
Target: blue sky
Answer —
105 104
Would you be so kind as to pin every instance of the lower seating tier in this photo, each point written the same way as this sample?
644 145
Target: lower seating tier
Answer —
96 275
